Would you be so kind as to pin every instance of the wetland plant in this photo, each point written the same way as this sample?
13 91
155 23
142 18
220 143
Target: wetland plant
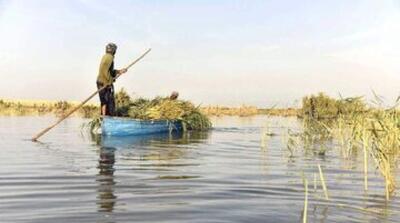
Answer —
351 126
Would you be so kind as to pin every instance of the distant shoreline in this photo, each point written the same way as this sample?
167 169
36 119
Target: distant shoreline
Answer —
244 111
43 107
13 107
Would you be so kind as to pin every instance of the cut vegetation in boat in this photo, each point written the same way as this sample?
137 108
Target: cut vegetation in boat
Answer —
167 109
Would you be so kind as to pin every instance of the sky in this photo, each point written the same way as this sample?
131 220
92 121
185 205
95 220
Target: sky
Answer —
260 53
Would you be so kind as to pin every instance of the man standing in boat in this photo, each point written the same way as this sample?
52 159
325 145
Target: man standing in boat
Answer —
106 78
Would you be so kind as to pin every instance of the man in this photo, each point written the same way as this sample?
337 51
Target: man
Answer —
106 78
174 95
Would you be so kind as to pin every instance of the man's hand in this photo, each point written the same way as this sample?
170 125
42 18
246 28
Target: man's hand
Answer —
122 71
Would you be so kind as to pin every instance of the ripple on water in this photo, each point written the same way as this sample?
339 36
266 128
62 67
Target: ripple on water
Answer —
220 176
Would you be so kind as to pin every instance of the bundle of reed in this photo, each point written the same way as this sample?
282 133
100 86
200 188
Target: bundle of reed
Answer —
162 108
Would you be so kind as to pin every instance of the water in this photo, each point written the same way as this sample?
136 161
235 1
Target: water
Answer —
224 175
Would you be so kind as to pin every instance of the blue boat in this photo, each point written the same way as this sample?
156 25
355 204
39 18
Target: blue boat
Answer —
119 126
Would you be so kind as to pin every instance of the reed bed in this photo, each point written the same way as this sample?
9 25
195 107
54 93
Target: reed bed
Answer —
351 126
38 107
242 111
321 106
246 111
377 134
43 107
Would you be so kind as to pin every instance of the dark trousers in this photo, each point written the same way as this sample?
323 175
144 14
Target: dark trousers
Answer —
107 98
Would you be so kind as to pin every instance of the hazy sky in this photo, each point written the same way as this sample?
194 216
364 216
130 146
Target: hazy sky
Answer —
212 52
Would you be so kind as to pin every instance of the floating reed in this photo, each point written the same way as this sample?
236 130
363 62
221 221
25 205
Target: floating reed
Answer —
321 175
365 147
305 182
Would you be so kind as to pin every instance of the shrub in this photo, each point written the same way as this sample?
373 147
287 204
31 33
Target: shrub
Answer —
322 106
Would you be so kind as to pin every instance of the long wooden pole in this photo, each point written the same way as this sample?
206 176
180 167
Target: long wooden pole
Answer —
35 138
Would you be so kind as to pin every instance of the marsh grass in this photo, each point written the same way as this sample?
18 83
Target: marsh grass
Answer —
242 111
321 106
378 135
38 107
351 126
93 125
246 111
42 107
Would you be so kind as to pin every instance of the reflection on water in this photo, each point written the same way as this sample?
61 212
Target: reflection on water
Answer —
130 142
234 173
170 143
105 179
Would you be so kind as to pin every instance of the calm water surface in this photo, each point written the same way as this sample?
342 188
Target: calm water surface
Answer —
225 175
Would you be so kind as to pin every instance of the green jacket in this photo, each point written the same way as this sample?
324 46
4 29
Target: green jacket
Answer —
106 70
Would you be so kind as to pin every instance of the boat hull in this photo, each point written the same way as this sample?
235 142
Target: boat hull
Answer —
118 126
